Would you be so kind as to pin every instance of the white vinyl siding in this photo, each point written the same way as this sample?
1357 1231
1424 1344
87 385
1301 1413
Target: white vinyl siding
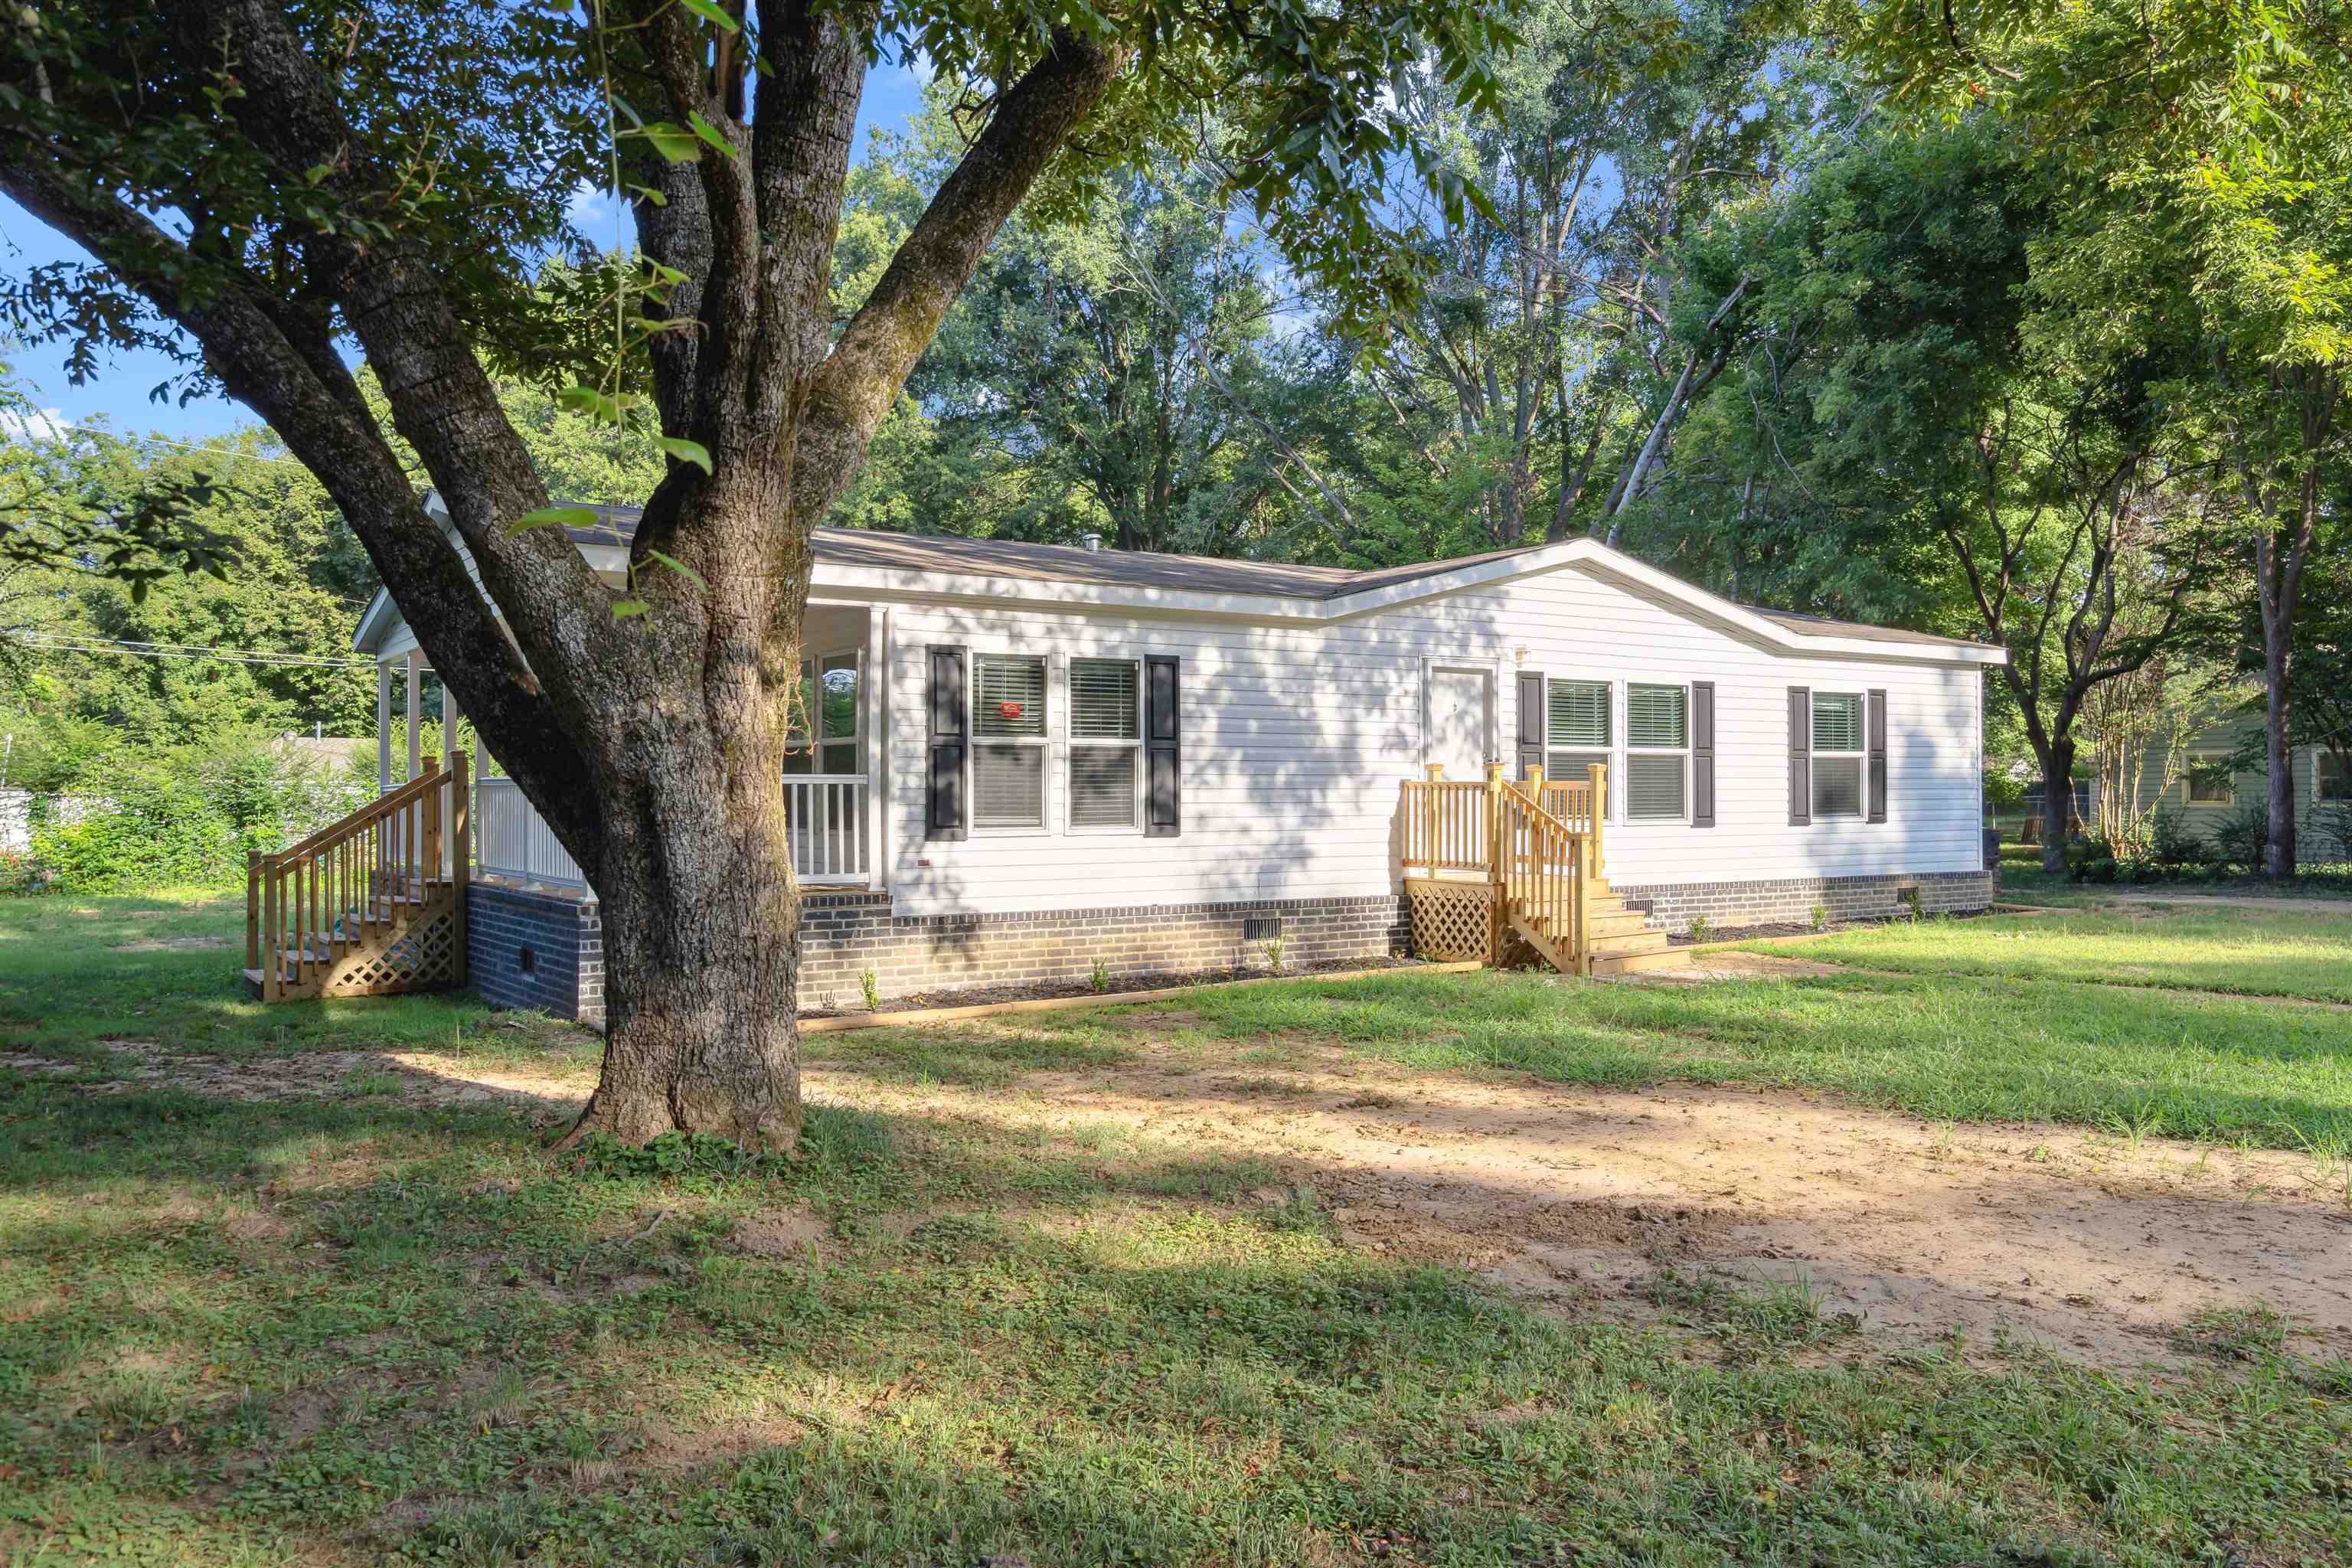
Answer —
1839 726
1008 752
1106 712
1295 739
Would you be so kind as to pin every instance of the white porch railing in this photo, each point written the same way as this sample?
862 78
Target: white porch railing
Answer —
512 839
831 839
832 836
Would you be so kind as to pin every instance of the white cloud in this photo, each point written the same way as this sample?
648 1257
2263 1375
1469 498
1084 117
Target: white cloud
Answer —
589 205
33 424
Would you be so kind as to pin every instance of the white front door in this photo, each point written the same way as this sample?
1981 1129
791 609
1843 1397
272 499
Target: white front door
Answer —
1457 721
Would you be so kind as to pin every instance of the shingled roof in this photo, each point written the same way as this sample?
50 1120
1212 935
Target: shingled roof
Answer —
1149 569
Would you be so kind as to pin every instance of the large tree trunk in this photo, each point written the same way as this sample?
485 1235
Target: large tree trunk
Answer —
2057 805
2280 853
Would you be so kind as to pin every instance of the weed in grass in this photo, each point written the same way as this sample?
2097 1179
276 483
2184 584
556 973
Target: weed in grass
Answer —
1821 917
1698 928
870 988
2234 1333
1780 1315
1098 982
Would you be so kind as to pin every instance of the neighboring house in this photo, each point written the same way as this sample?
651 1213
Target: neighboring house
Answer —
1031 759
2209 791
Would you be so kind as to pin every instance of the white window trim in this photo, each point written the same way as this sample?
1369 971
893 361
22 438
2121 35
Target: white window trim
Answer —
1048 796
1860 756
1614 751
1133 828
1627 750
2201 759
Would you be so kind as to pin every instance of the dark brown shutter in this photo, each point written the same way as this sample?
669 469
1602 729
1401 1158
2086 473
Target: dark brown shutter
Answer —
1531 720
946 725
1878 756
1702 718
1801 756
1163 790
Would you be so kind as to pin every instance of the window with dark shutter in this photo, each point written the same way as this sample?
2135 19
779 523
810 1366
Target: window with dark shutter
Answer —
1702 714
1531 721
1877 755
945 728
1801 756
1838 752
1578 729
1163 785
1657 741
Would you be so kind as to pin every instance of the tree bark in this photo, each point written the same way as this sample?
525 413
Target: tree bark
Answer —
2057 760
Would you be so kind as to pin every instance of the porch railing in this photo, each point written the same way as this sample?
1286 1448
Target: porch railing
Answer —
832 837
1535 843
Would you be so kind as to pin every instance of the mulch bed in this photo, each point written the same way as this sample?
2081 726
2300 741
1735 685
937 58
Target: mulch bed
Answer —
985 996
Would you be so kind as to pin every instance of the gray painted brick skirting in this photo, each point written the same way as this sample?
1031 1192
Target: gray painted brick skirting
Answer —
1672 905
529 947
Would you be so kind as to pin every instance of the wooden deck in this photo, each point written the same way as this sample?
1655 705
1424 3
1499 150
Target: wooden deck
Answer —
1495 869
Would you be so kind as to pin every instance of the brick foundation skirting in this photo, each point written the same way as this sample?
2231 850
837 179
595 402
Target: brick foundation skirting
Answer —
530 947
533 947
1729 904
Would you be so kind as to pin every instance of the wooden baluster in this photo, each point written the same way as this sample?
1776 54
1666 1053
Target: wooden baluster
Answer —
1431 804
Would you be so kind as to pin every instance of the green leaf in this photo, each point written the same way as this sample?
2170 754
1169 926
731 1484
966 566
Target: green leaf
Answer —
624 609
674 144
554 517
711 13
587 400
686 451
681 568
710 133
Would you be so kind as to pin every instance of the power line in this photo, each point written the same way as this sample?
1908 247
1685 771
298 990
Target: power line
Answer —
130 649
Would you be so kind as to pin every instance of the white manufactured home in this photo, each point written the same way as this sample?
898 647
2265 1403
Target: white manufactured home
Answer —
1033 760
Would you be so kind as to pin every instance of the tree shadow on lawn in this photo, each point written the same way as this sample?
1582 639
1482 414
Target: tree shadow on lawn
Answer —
448 1345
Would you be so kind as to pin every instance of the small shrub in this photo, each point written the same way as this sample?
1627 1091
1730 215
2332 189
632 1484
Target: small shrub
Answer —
1274 955
2241 837
2331 826
1820 916
871 989
1912 909
2172 847
1099 981
1698 928
2090 859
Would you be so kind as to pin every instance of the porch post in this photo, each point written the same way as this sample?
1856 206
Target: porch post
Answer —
415 694
382 727
878 744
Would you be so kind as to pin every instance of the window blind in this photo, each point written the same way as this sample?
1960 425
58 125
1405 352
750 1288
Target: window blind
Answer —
1103 701
1653 784
1657 716
1837 722
1837 784
1008 786
1579 713
1008 696
1571 768
1102 786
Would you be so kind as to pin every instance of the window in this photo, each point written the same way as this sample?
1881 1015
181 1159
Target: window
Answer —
1837 753
1657 743
1576 727
2330 777
1008 753
1106 742
829 700
2209 782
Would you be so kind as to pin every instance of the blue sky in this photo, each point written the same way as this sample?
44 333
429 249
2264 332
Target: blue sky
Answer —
118 394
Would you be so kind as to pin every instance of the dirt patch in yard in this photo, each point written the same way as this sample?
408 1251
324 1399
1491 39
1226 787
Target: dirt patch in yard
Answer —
2097 1247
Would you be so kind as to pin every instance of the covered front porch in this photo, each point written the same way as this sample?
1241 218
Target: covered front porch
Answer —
829 780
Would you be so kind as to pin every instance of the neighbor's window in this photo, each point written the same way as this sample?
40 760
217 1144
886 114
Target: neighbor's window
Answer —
1106 742
2209 782
1008 753
1837 753
1658 751
1576 727
2331 777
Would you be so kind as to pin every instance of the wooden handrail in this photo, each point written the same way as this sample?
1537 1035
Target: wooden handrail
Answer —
310 905
1537 841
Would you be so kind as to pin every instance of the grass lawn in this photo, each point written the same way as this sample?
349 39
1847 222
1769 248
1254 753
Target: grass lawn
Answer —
2195 947
2023 881
259 1333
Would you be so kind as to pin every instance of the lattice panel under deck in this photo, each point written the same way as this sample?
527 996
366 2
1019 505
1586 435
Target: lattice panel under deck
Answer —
425 956
1450 919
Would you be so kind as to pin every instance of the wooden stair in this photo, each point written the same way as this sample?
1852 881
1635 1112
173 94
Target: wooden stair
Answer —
1617 941
372 905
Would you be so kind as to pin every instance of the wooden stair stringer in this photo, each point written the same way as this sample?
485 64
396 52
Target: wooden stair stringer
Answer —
1622 940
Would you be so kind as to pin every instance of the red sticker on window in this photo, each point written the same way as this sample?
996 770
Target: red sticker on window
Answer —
1008 711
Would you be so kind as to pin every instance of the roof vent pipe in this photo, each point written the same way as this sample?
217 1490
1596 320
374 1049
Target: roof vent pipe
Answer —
1092 541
